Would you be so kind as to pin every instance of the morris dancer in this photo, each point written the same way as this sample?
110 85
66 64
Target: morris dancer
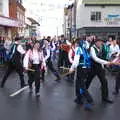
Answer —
97 69
81 62
15 62
36 59
63 53
47 52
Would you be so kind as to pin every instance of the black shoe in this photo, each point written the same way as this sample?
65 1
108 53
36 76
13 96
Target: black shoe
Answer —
107 101
115 92
2 85
78 102
22 86
58 79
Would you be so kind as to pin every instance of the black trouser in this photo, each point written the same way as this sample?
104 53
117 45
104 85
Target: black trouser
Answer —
14 65
117 85
43 75
80 85
100 72
71 76
63 59
51 67
34 76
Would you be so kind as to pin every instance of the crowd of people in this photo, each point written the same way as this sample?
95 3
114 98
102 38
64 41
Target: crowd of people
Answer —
89 56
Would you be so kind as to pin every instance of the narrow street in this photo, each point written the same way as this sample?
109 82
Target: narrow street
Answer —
56 102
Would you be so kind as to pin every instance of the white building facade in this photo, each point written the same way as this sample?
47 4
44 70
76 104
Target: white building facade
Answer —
102 19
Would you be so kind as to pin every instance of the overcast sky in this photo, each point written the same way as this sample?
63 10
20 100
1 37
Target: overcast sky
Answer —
49 13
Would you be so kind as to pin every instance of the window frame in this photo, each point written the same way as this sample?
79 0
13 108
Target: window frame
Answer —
96 16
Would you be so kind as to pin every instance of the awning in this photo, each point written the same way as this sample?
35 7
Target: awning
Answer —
6 21
33 21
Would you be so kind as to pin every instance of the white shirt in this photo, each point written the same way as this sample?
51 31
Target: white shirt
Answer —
35 56
70 57
48 53
75 63
20 49
87 44
49 49
114 49
95 58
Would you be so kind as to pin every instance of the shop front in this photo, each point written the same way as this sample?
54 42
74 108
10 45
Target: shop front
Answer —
6 25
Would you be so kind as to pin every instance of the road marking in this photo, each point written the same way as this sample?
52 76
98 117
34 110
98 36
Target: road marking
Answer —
19 91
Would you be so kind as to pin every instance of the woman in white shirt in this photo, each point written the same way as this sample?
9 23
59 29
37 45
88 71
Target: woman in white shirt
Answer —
35 58
114 49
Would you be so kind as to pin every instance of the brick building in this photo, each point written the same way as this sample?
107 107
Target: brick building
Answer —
17 11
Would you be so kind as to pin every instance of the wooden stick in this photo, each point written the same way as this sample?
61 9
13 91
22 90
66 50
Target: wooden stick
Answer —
68 73
31 70
65 68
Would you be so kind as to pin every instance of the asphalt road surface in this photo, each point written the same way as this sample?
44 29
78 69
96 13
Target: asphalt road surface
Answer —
56 101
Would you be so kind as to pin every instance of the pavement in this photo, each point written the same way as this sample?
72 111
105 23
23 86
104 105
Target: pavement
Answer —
56 101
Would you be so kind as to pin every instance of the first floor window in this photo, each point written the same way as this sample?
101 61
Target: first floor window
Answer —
96 16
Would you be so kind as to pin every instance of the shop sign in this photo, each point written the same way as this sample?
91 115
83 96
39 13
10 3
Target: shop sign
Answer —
8 22
112 19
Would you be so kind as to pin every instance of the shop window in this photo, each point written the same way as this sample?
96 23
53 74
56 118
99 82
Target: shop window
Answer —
96 16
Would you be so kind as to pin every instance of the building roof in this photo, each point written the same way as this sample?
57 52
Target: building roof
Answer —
102 2
33 21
